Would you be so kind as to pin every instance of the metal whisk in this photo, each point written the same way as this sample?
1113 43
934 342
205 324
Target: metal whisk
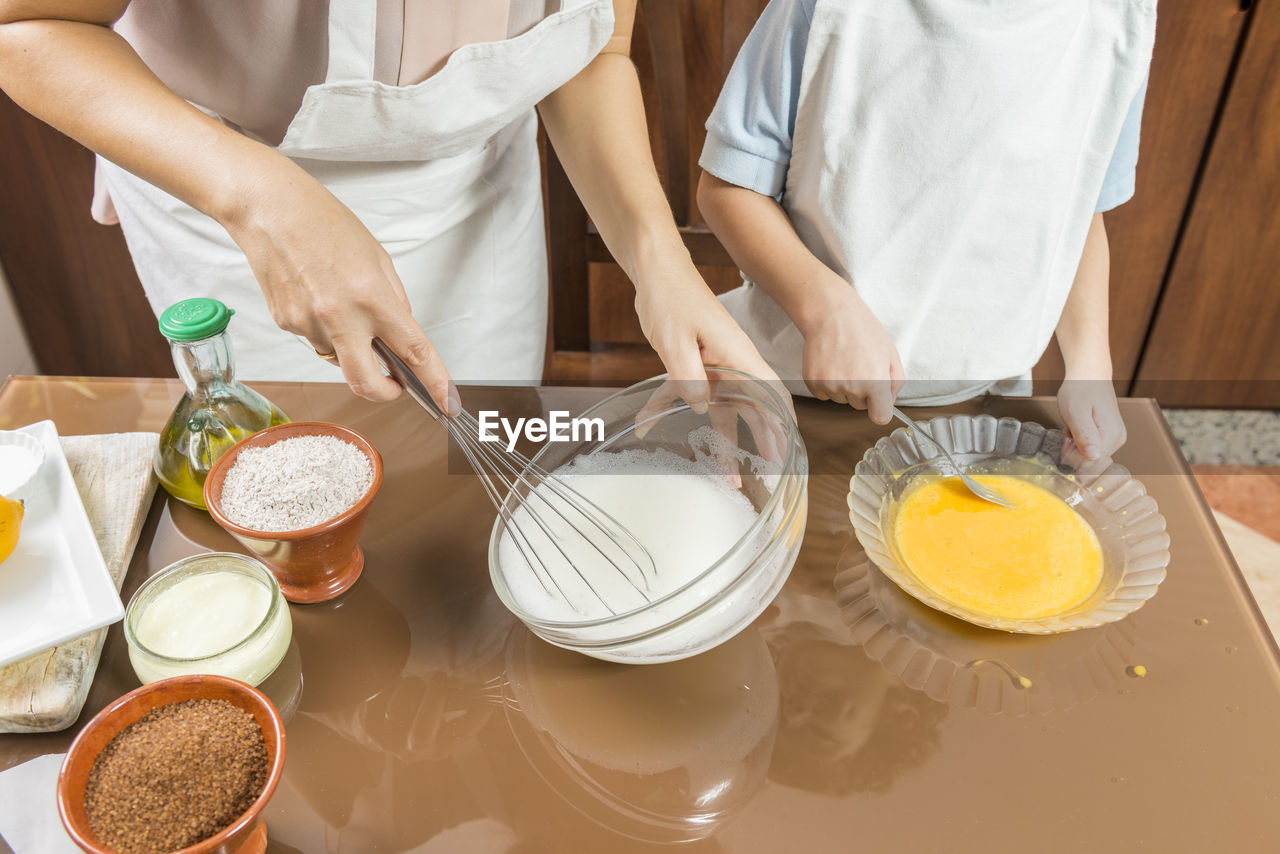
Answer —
546 498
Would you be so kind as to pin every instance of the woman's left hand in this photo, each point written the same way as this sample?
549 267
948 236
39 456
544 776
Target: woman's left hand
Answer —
691 330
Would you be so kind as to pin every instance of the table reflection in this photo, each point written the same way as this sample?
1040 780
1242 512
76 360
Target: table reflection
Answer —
378 752
847 726
967 666
657 753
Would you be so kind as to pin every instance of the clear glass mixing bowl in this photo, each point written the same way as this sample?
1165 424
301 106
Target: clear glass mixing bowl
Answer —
724 598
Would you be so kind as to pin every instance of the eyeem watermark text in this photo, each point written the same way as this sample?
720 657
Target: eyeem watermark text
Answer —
558 428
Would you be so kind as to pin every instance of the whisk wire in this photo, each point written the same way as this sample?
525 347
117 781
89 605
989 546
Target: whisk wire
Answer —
545 578
512 468
520 467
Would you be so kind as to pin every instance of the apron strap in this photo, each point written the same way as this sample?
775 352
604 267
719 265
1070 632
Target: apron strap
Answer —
353 27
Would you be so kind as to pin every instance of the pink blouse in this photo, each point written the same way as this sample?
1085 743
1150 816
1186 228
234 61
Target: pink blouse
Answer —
250 61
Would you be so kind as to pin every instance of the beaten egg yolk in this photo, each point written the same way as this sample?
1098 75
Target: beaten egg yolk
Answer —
1035 559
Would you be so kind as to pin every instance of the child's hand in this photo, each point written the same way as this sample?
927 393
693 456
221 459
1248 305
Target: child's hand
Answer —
1092 416
849 356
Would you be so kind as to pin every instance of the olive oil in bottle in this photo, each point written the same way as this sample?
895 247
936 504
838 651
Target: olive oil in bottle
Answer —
216 410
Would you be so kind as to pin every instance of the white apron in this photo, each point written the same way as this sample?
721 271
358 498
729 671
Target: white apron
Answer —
443 173
947 160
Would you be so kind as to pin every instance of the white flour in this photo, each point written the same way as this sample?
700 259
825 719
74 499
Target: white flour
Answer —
295 483
686 517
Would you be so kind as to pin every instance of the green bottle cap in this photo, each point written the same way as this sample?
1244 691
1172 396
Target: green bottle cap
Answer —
193 319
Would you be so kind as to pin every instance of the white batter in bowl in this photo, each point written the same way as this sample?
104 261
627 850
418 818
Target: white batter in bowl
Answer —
719 500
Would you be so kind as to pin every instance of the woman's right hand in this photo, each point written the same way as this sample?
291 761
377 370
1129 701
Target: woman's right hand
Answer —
324 275
327 279
848 354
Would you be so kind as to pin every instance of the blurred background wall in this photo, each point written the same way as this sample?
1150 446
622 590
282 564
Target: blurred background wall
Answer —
15 351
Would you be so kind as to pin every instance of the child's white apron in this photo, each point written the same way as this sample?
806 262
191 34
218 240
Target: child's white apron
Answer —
947 160
444 174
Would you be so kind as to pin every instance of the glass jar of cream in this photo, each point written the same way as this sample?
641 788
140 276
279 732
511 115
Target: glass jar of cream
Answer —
216 613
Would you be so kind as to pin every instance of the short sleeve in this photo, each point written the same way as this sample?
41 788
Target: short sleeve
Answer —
749 132
1120 182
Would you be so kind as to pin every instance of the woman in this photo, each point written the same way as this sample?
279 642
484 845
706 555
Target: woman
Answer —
369 173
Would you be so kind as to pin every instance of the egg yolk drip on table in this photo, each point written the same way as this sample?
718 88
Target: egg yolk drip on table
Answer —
1035 559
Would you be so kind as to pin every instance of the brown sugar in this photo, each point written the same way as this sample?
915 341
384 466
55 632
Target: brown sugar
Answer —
178 775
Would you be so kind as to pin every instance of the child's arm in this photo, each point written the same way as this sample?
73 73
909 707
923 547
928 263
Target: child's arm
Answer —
848 355
1087 399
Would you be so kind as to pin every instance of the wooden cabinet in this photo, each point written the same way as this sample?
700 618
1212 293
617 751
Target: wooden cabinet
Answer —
72 279
1196 44
1215 339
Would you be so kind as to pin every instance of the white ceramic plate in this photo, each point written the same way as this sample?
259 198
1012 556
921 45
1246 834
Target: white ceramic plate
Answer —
55 586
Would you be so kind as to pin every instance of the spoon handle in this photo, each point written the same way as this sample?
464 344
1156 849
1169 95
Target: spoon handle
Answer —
910 422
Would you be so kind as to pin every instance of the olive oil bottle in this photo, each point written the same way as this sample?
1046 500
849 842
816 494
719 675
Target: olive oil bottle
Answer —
216 410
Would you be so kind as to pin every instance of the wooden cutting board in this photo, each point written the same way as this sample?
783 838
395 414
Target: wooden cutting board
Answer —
45 692
1259 560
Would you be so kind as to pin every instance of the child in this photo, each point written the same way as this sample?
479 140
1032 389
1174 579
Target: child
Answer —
913 190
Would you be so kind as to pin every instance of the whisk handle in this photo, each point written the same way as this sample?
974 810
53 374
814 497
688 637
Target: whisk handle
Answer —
401 373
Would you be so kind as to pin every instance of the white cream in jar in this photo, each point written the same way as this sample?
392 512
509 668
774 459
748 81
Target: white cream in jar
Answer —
215 613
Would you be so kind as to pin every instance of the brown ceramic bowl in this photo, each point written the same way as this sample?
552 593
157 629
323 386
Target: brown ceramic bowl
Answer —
248 833
312 564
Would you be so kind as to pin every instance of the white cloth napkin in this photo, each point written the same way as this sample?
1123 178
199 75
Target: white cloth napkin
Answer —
29 808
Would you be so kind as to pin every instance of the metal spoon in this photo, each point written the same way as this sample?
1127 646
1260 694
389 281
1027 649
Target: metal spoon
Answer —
986 493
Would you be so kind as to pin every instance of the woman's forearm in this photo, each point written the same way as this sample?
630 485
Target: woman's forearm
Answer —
763 243
1082 330
596 124
85 80
322 273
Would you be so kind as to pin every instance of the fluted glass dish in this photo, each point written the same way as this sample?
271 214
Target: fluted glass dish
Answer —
1127 522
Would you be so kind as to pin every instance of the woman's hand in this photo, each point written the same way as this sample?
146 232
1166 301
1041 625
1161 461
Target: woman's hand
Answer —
596 125
327 279
691 330
323 274
848 355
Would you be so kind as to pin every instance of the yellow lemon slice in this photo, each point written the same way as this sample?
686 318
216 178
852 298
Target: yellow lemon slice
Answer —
10 525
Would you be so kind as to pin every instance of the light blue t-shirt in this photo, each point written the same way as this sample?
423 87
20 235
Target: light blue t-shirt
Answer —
750 130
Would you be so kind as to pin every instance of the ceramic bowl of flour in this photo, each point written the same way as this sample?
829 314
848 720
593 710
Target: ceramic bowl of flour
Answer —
717 498
300 507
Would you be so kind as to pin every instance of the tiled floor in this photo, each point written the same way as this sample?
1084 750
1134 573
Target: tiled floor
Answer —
1250 495
1227 437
